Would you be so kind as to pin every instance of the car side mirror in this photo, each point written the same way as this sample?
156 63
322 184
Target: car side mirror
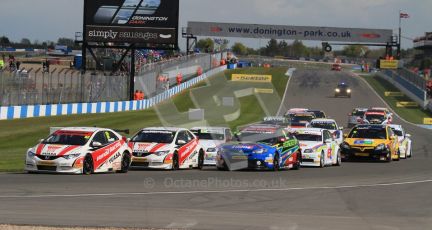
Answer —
96 144
408 135
181 142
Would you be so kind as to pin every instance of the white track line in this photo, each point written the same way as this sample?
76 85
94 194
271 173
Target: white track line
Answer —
284 96
223 191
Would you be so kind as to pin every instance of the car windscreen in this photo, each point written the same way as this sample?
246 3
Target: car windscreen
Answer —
369 133
68 138
319 114
343 86
165 137
209 136
298 119
324 125
371 117
268 138
398 132
308 137
358 113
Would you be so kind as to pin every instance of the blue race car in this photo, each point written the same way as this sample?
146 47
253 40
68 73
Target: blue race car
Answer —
267 147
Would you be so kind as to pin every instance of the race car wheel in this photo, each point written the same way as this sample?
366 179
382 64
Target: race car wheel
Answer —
410 153
389 158
88 166
125 163
224 167
322 160
339 159
276 166
175 162
297 165
201 159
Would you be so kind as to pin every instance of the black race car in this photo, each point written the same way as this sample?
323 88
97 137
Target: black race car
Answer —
343 90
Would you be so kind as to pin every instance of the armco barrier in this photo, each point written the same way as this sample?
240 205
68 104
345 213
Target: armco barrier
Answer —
415 93
28 111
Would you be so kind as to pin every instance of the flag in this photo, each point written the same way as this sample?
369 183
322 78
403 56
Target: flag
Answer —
404 15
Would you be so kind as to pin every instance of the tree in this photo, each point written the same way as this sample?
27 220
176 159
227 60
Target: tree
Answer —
25 41
239 49
205 44
66 42
355 51
299 49
4 40
272 48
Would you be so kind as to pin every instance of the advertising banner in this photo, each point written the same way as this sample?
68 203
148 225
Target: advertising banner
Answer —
389 64
216 29
251 78
132 21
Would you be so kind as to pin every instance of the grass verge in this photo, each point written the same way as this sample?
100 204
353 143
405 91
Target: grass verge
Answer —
414 115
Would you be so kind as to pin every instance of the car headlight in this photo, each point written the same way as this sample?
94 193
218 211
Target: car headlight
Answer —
348 90
31 153
259 151
337 90
71 156
161 153
308 151
345 146
381 147
211 150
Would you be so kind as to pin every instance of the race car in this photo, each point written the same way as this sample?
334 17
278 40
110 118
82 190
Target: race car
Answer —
318 147
336 67
166 148
276 120
301 120
343 90
210 138
374 116
377 142
404 139
388 114
318 113
266 147
356 117
330 125
293 111
80 151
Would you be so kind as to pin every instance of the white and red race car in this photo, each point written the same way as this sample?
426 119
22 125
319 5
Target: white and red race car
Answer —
166 148
80 151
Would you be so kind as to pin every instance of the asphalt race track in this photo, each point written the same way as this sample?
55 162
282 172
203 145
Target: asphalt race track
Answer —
357 195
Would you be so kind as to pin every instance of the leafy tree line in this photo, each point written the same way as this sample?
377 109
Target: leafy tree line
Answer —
27 43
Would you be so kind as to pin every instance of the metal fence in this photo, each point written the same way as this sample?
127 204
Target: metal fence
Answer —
147 77
410 76
30 87
59 86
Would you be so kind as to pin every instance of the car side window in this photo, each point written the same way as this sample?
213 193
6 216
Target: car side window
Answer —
111 137
327 135
190 136
101 138
182 136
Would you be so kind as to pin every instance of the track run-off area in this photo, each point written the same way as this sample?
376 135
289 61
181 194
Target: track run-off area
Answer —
357 195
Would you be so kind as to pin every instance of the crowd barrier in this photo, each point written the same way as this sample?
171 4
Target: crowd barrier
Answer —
29 111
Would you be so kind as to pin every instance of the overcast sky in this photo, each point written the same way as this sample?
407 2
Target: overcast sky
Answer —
49 19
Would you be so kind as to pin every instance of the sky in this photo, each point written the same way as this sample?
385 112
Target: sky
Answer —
50 19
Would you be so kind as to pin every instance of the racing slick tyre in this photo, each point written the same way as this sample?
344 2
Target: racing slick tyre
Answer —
410 153
224 167
297 165
322 160
200 159
125 163
338 159
88 166
175 162
276 166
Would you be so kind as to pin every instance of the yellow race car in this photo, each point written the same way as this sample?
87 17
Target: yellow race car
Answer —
377 142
